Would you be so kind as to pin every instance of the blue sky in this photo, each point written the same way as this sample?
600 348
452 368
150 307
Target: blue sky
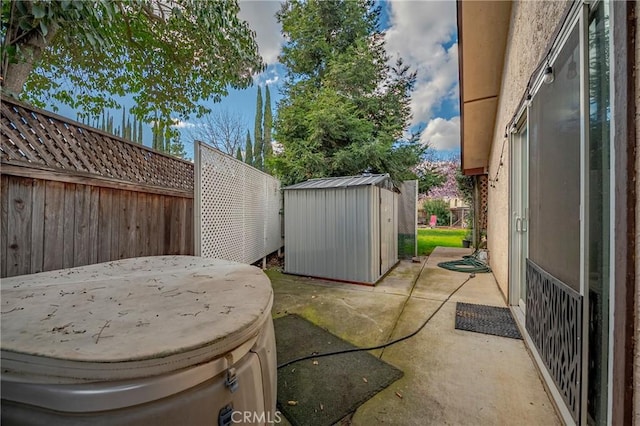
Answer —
423 33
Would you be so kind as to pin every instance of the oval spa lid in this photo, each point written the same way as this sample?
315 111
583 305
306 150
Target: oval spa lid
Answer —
129 318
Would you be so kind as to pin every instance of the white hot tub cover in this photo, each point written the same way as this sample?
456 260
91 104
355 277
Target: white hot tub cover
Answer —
130 318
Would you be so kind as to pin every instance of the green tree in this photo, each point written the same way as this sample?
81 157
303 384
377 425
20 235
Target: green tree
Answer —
344 108
166 54
440 209
248 152
257 133
158 137
239 154
267 150
140 138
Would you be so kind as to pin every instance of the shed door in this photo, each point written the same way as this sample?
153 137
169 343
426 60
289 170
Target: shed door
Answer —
387 235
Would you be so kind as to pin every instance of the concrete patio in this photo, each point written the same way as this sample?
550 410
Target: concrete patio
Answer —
450 376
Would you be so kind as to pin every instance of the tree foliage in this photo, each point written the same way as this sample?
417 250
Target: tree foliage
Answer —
440 209
344 109
257 132
170 55
267 149
248 150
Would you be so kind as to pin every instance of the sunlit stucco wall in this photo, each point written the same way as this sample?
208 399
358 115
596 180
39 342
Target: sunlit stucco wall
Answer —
532 27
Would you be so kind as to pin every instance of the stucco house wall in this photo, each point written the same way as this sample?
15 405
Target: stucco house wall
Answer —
532 27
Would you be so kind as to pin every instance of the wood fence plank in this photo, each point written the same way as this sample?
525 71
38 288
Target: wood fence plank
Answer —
93 224
105 221
189 227
144 237
168 205
125 225
177 234
4 204
69 224
115 224
19 235
133 225
35 171
37 226
159 232
155 230
53 226
182 226
82 208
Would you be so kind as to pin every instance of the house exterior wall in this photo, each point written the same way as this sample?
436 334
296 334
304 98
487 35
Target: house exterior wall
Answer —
532 28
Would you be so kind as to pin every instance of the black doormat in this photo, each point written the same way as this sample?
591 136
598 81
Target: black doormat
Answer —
323 391
487 320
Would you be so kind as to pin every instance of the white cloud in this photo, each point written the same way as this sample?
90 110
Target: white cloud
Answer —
261 18
273 80
270 76
418 33
441 134
181 124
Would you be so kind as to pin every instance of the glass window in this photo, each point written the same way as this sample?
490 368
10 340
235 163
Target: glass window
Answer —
599 213
554 174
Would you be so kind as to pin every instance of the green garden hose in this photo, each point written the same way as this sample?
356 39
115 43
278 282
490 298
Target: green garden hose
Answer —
468 264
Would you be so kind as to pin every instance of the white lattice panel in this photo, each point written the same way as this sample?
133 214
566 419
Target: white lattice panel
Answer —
237 208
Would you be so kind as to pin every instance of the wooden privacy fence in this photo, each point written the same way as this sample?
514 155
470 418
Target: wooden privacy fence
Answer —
73 195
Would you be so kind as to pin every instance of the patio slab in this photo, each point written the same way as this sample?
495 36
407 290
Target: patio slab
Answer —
451 376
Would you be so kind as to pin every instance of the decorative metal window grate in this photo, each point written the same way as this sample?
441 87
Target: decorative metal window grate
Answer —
237 208
554 322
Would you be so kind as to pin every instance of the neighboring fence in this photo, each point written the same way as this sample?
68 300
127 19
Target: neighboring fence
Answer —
237 207
73 195
408 220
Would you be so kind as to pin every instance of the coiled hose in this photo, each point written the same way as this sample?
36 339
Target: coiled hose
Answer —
468 264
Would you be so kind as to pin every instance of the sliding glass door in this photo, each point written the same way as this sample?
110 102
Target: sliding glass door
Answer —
519 214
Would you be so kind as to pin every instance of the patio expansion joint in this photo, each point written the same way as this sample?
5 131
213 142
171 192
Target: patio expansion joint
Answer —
404 306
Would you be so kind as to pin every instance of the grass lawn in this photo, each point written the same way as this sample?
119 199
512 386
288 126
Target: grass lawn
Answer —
428 239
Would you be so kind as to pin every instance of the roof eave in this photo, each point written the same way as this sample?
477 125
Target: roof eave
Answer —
482 39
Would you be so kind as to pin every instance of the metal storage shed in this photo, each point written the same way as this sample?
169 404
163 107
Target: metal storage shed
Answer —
343 228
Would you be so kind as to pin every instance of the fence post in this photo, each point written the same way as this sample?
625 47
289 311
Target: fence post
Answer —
197 200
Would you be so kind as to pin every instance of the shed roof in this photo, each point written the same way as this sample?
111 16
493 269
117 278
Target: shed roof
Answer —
341 182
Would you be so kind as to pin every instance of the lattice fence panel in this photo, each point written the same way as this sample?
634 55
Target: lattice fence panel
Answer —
483 186
40 139
554 322
239 208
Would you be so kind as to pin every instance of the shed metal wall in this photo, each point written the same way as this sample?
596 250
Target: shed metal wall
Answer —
335 233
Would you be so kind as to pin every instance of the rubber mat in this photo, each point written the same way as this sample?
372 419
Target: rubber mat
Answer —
484 319
320 392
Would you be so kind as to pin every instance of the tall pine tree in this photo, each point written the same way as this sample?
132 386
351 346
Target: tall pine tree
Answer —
238 154
140 139
344 108
267 150
257 133
248 151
